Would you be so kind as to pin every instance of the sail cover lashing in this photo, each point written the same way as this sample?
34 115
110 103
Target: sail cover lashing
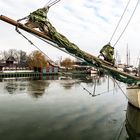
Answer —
38 19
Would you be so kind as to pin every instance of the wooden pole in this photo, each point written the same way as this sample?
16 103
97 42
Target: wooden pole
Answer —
23 27
104 64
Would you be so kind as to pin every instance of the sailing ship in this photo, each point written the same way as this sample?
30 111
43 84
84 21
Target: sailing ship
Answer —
49 34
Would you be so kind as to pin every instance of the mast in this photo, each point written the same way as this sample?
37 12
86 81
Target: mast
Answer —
139 68
127 56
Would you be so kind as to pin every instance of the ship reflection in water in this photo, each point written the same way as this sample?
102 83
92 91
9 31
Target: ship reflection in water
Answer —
133 122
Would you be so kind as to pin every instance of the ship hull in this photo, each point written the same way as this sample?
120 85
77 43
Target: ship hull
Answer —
133 94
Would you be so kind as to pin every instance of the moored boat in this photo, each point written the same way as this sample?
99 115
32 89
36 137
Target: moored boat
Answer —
133 94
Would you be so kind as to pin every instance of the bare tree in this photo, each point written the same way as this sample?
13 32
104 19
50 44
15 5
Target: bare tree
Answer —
10 53
13 53
22 58
5 55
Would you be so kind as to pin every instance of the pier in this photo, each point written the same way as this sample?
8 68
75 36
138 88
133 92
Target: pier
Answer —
20 74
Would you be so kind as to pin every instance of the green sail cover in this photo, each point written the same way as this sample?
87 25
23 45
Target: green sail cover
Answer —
40 20
39 17
108 52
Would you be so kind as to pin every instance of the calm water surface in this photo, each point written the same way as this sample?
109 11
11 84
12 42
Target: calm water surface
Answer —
61 109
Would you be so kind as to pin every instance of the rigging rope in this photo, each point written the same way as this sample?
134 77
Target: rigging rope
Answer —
56 46
119 21
104 92
122 91
127 23
49 3
49 59
120 131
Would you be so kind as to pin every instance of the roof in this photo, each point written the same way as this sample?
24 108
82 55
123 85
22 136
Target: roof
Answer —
11 58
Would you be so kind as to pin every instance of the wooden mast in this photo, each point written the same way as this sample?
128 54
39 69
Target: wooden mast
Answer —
104 64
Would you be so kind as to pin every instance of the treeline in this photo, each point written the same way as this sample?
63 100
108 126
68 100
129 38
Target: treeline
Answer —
34 59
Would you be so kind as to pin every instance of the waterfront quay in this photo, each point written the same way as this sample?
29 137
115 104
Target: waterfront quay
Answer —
22 74
19 74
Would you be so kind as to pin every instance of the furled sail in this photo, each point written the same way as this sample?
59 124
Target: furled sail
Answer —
38 19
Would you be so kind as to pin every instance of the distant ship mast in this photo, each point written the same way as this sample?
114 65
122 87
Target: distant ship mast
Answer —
139 68
127 56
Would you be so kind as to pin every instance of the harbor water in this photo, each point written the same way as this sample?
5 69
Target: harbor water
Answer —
62 108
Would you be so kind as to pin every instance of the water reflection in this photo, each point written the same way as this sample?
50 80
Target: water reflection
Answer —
69 81
11 87
133 122
68 84
62 111
37 88
34 88
91 81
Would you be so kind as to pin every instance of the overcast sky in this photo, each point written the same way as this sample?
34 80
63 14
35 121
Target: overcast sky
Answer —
87 23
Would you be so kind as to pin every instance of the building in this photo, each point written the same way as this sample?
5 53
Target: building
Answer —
11 65
50 69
